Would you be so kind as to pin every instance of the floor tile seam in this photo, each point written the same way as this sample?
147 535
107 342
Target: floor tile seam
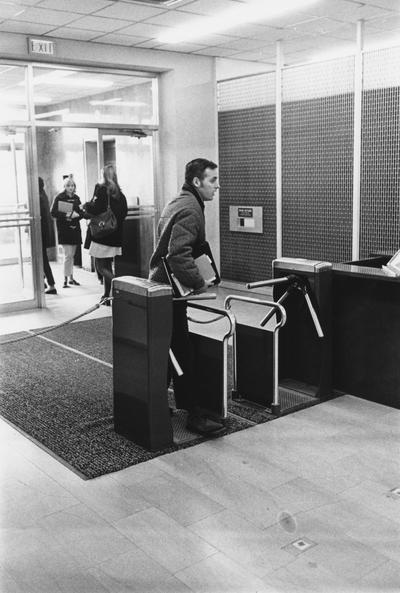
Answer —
352 580
131 486
378 514
219 512
73 350
50 477
145 548
127 554
195 563
44 517
244 565
83 500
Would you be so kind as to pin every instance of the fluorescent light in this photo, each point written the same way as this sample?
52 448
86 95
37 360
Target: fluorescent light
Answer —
117 102
50 77
105 101
245 13
63 78
47 114
89 83
20 98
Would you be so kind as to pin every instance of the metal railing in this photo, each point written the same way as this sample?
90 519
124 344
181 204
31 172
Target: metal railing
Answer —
275 407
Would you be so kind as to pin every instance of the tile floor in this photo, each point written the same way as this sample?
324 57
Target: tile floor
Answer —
220 517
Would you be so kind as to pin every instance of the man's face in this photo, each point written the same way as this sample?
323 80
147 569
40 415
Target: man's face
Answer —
208 185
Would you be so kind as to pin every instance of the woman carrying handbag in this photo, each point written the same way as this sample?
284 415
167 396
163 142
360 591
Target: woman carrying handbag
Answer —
67 212
108 200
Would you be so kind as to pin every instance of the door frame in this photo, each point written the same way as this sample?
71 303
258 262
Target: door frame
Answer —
33 220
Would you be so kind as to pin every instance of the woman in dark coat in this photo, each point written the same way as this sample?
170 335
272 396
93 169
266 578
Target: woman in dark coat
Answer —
67 212
48 238
105 249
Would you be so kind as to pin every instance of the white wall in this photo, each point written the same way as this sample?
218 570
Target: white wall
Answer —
226 68
188 110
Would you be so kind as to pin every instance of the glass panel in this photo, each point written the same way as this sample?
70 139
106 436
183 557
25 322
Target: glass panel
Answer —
133 158
13 95
101 97
15 223
66 151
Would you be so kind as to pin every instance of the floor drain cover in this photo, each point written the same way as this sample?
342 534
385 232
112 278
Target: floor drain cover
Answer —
300 545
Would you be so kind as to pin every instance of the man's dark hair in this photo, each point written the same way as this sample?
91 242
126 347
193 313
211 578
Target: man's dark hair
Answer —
196 168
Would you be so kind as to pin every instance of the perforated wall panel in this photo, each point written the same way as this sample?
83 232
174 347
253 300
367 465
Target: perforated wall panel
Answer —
380 153
317 160
246 124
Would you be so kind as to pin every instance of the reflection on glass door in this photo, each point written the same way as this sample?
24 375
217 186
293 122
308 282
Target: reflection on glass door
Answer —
16 267
131 151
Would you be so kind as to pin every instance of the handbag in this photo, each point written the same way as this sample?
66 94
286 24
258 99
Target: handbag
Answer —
103 224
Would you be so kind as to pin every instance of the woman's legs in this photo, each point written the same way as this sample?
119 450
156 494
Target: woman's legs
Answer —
104 268
69 252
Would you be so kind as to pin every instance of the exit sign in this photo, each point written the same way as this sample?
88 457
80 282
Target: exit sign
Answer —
41 46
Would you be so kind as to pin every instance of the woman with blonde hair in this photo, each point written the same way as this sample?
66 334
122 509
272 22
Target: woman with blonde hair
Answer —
105 249
67 212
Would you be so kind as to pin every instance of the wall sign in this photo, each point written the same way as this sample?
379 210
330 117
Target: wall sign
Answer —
41 46
246 219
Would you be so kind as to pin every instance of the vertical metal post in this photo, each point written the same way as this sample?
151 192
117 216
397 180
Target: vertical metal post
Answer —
225 378
15 170
358 82
278 140
234 367
276 406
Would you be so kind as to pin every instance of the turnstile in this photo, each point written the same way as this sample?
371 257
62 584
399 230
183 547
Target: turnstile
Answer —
306 342
303 287
142 327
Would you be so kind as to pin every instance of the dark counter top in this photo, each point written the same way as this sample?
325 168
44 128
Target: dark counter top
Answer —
356 271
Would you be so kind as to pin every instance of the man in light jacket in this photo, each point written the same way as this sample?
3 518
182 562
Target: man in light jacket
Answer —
182 234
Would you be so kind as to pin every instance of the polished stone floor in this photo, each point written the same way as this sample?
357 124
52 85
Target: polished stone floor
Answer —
306 503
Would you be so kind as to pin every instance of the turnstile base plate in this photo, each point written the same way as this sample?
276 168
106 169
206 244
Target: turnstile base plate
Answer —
181 433
291 400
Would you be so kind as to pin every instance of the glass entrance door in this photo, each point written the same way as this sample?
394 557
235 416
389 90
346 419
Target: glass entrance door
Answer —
17 286
132 153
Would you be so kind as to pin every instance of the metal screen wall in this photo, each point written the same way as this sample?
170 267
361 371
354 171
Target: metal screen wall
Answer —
317 160
380 153
317 128
246 125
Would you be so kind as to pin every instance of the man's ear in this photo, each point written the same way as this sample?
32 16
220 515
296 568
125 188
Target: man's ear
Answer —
196 182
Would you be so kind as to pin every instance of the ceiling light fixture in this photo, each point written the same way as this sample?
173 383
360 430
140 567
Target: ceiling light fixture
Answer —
117 102
47 114
257 10
65 78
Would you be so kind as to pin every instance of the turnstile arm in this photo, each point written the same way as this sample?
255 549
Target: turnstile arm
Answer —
272 312
314 315
202 296
175 363
270 282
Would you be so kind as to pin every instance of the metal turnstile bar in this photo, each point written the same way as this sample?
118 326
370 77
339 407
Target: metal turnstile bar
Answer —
231 332
227 304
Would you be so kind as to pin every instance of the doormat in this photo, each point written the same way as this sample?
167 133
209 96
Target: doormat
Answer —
57 389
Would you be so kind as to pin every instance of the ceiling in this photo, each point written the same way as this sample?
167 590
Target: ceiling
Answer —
326 27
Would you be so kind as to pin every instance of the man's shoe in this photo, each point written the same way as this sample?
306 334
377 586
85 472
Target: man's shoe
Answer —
204 426
74 282
50 291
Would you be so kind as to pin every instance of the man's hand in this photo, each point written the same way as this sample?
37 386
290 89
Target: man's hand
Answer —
201 290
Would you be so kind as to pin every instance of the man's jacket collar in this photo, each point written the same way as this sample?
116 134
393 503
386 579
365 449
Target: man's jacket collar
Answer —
191 188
